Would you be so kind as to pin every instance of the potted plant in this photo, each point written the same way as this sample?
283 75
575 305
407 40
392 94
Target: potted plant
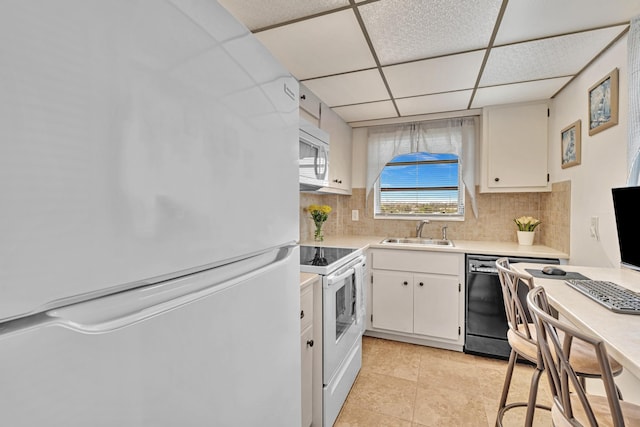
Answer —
526 229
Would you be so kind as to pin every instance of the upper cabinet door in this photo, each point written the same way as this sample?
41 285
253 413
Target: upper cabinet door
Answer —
514 148
340 157
309 102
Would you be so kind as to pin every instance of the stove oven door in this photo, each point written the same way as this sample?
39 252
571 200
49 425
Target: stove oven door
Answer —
341 310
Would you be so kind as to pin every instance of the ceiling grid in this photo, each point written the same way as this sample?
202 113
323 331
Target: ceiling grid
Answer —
383 59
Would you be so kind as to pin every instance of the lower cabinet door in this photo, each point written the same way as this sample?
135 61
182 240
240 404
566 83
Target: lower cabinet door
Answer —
436 307
392 301
306 350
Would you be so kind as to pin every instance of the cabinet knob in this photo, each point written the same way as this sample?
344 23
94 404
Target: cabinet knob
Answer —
310 343
303 96
496 179
421 284
405 283
301 314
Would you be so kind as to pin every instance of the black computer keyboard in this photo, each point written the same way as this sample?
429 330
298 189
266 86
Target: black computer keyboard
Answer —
609 294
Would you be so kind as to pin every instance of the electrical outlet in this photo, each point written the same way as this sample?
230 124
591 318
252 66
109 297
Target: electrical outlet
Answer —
355 215
593 228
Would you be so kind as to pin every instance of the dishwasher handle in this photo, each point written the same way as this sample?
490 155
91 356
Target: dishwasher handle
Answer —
483 268
487 264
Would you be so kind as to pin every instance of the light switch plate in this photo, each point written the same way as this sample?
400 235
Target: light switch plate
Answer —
355 215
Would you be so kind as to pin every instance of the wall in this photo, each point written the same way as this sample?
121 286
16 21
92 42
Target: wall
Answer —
494 222
495 212
603 163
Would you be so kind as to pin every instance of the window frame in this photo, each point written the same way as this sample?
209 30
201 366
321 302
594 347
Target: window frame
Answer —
431 216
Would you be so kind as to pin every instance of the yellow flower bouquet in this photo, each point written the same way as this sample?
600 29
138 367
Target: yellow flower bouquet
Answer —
319 214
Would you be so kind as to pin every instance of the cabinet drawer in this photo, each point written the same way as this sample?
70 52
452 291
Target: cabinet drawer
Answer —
418 261
306 307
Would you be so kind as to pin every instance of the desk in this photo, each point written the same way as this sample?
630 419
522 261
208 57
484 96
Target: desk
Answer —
621 332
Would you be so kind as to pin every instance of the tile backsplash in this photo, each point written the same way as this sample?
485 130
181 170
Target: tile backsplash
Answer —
494 223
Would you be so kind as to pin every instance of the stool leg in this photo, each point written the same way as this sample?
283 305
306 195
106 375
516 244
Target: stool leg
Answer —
533 394
506 386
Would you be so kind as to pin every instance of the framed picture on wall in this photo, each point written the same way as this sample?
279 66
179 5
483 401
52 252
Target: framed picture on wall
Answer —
603 103
571 145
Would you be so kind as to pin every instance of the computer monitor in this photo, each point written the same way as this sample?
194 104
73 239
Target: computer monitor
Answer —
625 205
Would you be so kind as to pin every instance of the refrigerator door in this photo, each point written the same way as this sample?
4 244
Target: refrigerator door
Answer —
218 348
138 138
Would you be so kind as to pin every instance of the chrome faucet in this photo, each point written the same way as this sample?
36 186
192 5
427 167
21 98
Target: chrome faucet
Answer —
419 227
444 232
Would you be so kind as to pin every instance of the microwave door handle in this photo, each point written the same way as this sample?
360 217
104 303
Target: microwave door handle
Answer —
335 279
321 154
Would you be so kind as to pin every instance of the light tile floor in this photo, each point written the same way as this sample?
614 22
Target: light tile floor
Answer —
408 385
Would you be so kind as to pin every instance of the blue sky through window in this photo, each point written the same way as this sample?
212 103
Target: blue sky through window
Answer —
426 175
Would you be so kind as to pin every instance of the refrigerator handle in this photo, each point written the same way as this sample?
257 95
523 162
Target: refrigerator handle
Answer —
127 308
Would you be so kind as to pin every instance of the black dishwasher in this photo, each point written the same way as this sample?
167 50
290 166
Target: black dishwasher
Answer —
485 320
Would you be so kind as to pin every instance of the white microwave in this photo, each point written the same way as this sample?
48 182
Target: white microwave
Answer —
313 157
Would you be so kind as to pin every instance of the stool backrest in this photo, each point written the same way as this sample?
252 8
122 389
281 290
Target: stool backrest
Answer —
515 308
555 338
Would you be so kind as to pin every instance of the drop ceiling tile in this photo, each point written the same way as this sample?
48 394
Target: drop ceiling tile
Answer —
352 88
443 74
263 13
518 92
553 17
368 111
403 30
321 46
545 58
450 101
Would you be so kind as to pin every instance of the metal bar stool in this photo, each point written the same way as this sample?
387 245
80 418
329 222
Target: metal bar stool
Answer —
572 406
522 338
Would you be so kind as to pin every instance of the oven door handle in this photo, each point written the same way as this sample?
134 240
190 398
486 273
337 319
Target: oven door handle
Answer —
334 279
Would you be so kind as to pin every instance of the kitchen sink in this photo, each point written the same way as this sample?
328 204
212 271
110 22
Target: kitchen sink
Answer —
417 241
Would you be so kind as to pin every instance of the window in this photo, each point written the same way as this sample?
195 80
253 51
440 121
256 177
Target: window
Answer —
436 146
420 184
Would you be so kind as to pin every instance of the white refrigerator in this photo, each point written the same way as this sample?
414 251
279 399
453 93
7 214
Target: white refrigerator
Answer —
148 218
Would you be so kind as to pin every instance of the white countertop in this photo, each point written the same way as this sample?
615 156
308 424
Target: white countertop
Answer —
463 246
306 278
621 332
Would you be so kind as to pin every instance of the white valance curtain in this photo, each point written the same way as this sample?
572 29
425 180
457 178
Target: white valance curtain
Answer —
633 144
447 136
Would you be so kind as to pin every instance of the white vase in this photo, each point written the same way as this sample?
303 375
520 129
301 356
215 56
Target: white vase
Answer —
526 237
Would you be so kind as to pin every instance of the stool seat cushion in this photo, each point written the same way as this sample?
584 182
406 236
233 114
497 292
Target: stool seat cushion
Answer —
583 357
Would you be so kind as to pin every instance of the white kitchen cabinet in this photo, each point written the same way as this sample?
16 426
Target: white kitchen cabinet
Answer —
417 296
435 305
306 338
340 143
307 348
392 301
514 148
309 104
